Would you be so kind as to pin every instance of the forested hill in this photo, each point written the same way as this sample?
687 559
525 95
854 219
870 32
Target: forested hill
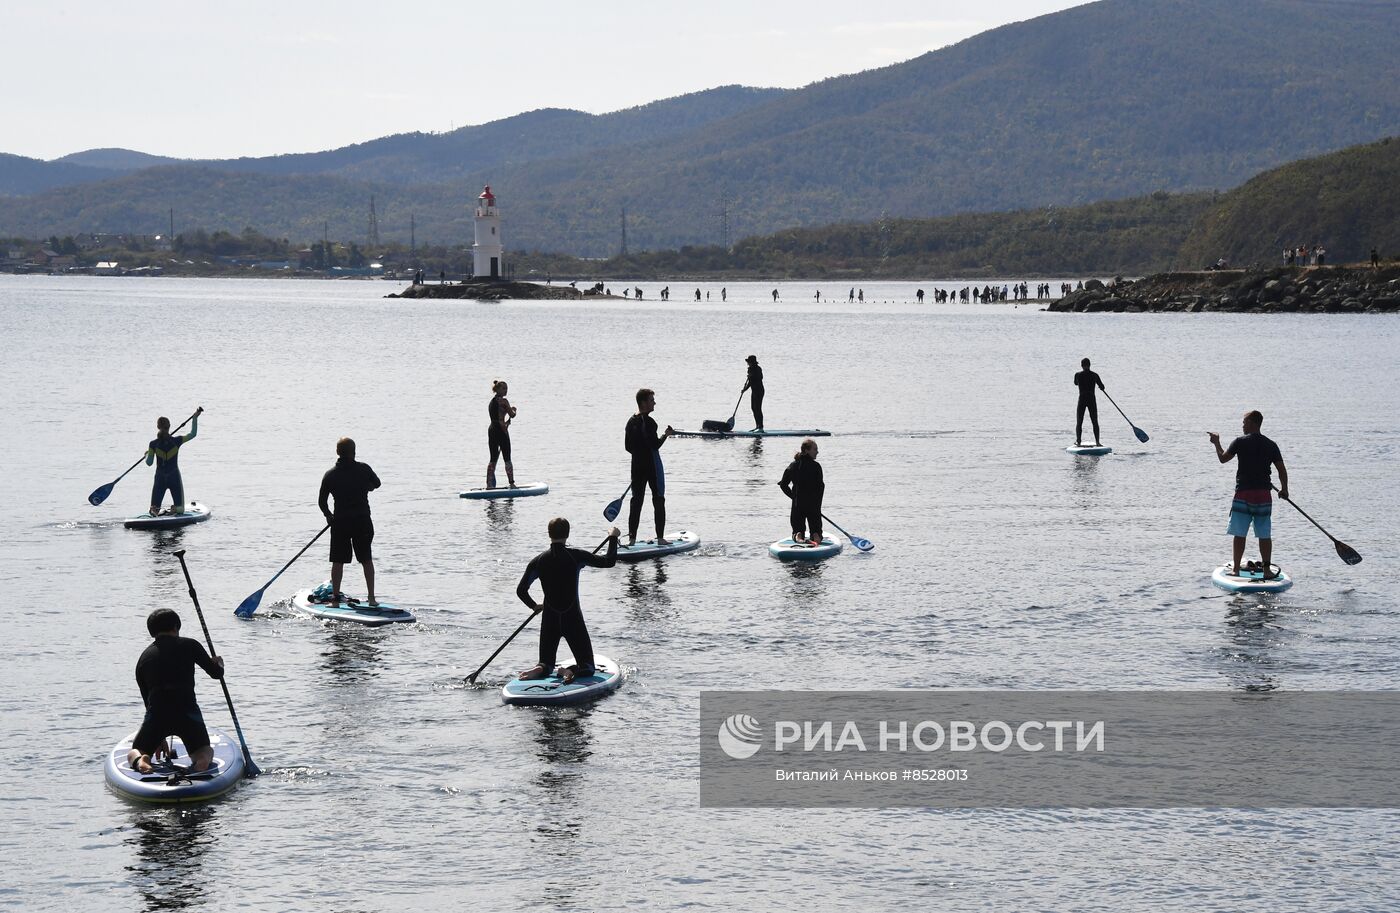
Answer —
1108 100
1346 202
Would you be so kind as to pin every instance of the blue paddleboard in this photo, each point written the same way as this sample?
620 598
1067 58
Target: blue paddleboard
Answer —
504 491
352 609
606 678
1248 581
790 550
170 780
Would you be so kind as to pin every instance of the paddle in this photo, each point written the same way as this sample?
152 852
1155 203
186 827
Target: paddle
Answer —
864 545
615 507
1141 435
729 425
247 607
100 493
1344 551
471 679
250 769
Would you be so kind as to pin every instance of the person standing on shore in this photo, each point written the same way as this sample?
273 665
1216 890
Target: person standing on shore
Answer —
1253 501
1375 258
755 383
802 481
644 444
164 452
1086 381
561 616
352 530
498 433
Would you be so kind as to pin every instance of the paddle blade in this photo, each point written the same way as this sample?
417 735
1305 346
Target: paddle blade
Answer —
864 545
100 493
250 770
612 510
729 425
1347 553
1141 435
247 607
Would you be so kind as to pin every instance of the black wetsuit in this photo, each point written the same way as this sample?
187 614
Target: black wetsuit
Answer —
165 675
497 435
557 570
756 386
1086 381
352 530
802 481
644 444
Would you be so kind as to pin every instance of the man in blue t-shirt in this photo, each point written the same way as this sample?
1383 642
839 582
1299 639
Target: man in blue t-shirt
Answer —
1253 501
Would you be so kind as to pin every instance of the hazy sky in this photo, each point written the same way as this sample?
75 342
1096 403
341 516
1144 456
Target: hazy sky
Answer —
210 80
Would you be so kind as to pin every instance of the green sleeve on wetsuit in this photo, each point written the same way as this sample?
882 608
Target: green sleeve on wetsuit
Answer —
194 429
150 456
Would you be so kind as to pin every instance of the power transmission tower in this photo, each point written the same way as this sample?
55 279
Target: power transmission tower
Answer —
373 240
724 223
412 238
623 251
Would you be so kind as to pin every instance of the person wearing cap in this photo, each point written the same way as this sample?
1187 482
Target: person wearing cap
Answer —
755 383
165 675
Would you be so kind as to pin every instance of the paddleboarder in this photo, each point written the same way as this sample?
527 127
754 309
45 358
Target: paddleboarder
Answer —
165 675
164 452
802 481
1086 381
1253 501
755 383
644 444
557 569
352 530
498 434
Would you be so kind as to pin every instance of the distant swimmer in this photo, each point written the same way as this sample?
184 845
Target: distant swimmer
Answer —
1086 381
165 675
352 529
498 433
1253 501
802 482
644 444
754 382
561 616
164 452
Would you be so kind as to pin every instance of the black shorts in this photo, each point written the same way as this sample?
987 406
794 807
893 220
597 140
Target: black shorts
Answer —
498 442
188 726
352 535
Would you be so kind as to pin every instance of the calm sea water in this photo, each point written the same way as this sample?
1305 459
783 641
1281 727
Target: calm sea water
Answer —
1001 562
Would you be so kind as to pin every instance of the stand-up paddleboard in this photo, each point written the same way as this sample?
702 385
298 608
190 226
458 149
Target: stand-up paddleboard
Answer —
1250 581
1088 450
194 513
170 779
606 678
714 435
350 609
505 491
790 550
682 541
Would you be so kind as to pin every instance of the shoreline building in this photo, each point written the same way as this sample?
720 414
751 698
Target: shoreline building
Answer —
487 253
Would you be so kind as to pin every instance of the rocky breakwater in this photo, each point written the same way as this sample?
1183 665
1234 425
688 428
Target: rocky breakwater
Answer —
1284 290
499 290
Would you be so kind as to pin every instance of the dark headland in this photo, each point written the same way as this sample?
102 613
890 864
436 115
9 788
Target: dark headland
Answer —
500 290
1282 290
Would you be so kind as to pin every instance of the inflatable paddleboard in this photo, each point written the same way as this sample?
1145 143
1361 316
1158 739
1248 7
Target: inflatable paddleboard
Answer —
1088 450
194 513
504 491
808 432
352 610
606 678
789 550
171 781
682 541
1249 581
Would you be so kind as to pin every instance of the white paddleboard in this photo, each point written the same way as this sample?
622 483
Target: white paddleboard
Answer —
606 678
195 512
682 541
354 610
807 432
505 491
1249 581
1088 450
789 550
171 781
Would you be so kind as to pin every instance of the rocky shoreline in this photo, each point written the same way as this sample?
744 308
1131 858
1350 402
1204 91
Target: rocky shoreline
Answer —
1282 290
500 290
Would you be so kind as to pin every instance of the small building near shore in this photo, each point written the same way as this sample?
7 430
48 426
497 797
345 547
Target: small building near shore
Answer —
487 253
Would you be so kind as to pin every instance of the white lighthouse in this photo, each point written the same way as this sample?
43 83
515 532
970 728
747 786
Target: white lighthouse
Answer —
487 251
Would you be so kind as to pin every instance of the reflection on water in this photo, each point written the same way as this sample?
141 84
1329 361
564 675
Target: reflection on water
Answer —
1085 481
1252 630
500 517
169 846
353 656
645 590
563 743
807 582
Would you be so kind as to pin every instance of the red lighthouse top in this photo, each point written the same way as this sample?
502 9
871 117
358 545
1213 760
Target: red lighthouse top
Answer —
488 196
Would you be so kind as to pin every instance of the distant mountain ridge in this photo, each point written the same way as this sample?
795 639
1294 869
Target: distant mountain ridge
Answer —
1109 100
115 159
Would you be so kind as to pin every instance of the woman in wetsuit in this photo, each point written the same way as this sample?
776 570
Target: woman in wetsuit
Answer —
164 452
498 434
802 481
